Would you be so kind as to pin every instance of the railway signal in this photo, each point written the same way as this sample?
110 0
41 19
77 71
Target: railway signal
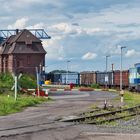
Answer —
16 84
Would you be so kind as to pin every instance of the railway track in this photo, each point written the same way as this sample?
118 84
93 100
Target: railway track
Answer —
26 126
100 116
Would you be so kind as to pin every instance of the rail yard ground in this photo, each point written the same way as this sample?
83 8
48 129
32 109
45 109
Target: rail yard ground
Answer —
43 121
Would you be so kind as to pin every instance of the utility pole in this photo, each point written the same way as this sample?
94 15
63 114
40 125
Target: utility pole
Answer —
106 76
122 47
112 74
15 78
15 87
121 91
37 75
68 61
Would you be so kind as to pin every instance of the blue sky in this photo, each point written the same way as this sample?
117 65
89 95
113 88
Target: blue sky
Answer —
82 31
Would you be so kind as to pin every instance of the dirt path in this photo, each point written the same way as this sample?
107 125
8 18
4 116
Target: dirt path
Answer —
41 122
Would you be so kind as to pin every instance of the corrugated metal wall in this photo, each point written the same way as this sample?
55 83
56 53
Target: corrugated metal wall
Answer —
125 78
100 77
87 78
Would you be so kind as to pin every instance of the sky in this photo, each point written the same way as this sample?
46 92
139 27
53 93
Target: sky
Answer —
83 32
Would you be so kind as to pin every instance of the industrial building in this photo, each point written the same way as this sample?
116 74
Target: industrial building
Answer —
21 53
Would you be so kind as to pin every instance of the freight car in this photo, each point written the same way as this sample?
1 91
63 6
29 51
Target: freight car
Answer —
134 78
130 78
63 78
87 78
111 78
104 78
125 78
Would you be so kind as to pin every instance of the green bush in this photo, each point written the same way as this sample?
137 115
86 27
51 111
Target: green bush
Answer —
95 86
6 81
27 81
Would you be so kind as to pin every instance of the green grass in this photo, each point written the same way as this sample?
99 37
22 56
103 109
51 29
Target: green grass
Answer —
131 98
8 105
110 123
112 90
96 86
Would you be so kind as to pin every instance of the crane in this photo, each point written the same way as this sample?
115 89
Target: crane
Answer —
39 33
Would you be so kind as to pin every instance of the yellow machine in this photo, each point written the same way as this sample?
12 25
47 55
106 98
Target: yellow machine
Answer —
47 82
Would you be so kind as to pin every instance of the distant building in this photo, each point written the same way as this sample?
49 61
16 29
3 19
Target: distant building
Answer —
21 53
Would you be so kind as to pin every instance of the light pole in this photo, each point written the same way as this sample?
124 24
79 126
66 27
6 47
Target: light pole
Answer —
68 61
37 76
122 47
44 68
106 76
44 71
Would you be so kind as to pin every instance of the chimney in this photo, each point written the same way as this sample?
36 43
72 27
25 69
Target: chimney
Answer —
112 67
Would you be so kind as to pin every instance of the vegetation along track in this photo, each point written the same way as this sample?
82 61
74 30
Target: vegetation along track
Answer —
100 116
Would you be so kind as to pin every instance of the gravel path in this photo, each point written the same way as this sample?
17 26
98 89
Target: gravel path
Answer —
41 122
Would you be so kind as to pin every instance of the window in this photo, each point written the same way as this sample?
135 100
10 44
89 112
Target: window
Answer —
29 45
28 60
20 63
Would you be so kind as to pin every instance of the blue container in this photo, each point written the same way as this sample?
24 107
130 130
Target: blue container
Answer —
41 82
131 81
137 65
137 81
132 75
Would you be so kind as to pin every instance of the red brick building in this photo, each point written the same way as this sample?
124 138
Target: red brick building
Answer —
21 53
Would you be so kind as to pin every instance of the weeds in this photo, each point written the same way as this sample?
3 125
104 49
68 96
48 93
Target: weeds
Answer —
95 86
8 105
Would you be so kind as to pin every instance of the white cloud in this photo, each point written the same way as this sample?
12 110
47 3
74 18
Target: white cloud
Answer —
55 51
29 1
93 30
22 24
37 26
63 27
114 49
19 24
51 42
131 53
116 24
66 28
89 56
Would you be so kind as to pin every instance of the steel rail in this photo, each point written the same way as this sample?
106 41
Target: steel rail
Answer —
83 118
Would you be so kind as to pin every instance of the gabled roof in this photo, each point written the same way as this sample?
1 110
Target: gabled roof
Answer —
23 49
22 43
8 40
25 35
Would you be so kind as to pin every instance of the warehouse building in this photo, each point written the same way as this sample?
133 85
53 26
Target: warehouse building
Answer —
21 53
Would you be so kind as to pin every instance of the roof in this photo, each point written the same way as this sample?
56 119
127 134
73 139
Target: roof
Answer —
88 72
5 45
23 49
23 42
8 40
25 35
